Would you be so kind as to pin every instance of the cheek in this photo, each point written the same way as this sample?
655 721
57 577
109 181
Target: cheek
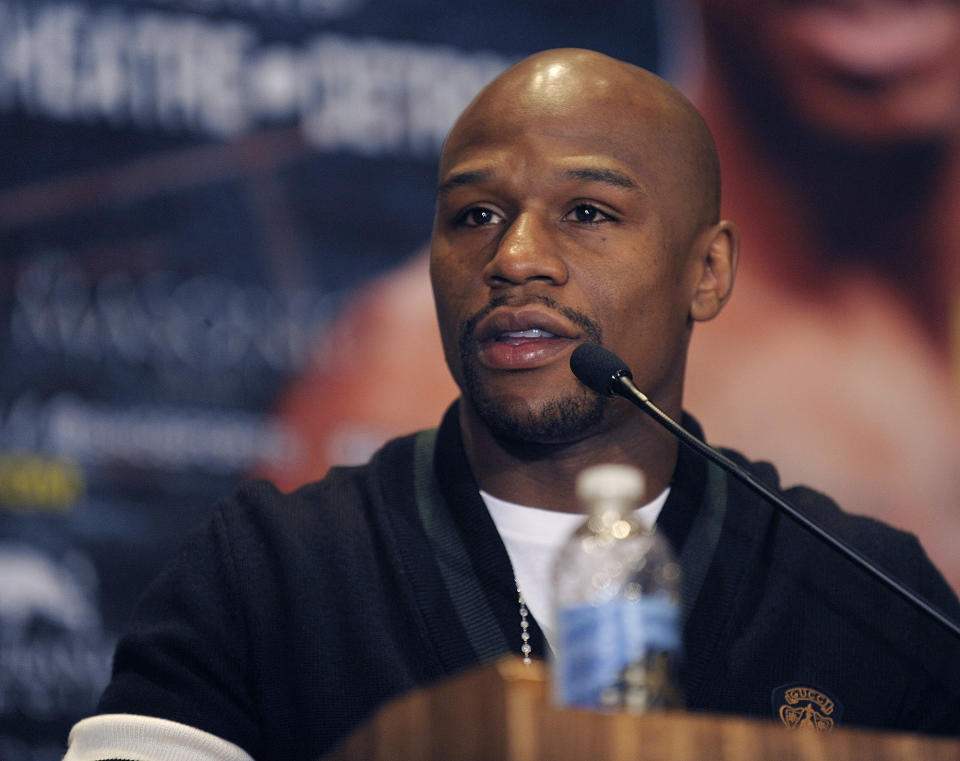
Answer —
449 266
648 302
440 285
627 276
452 290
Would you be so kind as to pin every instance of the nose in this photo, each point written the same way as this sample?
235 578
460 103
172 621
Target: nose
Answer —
527 251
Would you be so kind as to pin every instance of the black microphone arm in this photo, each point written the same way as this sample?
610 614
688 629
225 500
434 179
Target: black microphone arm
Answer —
607 374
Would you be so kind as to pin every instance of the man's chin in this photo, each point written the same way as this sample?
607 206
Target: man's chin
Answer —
554 421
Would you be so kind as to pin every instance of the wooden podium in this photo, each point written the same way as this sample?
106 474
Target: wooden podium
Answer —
502 712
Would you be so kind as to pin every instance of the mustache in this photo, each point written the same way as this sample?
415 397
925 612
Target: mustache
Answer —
590 328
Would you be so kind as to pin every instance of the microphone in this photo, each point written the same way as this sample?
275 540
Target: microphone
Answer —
603 371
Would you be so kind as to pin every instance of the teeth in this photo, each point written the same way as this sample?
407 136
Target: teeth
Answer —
531 333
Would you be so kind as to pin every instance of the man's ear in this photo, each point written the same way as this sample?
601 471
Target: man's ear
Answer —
717 249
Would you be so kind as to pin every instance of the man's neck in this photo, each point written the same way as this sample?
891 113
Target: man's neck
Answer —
544 475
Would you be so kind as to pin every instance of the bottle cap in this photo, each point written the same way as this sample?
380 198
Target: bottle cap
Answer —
620 483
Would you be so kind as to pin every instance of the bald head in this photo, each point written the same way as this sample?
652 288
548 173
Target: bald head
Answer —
629 106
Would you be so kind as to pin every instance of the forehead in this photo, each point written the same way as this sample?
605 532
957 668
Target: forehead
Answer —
527 165
591 120
525 152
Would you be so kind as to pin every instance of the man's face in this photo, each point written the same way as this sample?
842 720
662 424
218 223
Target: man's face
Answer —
873 71
554 226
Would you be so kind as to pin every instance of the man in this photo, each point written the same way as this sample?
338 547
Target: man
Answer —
578 200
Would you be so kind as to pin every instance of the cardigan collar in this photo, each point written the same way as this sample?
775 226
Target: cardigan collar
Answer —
481 581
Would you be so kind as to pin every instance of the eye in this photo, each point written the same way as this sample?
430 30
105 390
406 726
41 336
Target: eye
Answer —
477 216
589 214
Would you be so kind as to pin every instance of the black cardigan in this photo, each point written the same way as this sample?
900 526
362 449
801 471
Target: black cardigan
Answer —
287 619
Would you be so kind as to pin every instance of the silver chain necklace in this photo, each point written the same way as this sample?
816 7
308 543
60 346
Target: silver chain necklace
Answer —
524 625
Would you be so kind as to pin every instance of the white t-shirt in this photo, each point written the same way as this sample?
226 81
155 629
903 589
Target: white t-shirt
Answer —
533 537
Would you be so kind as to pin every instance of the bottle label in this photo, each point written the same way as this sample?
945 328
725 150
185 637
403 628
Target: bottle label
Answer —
598 643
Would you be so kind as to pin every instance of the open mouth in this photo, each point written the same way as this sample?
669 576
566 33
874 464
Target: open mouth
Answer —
530 322
519 337
524 337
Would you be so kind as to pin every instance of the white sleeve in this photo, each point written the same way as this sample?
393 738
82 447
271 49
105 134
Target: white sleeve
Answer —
145 738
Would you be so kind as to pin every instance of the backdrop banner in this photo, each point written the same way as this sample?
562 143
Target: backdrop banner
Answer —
191 191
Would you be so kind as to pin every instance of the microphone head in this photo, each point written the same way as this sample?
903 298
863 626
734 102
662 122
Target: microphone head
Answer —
598 368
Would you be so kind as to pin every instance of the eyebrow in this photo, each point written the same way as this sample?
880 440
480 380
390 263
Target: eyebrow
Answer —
463 178
609 176
589 174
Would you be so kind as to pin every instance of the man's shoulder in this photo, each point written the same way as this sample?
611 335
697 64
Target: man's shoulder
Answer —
895 551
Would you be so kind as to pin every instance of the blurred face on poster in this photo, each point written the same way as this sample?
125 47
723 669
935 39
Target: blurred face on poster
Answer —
872 71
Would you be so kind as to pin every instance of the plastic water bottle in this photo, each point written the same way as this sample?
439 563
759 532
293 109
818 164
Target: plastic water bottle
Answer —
617 603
